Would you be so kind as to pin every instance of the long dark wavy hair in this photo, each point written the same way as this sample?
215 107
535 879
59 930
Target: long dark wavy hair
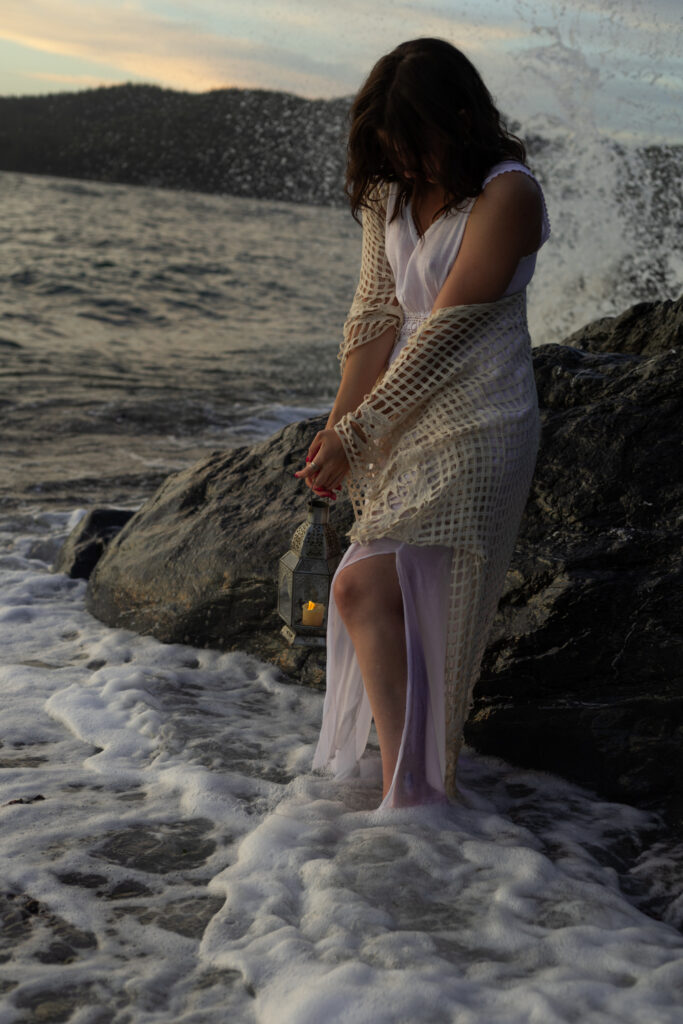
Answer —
425 110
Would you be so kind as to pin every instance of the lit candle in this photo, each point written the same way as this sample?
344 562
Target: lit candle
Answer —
312 614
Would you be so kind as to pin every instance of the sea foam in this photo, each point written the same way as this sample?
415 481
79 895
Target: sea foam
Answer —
185 864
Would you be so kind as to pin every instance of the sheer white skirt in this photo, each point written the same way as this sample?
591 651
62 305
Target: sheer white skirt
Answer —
424 576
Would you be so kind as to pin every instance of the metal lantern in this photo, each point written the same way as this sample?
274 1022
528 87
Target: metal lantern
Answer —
305 575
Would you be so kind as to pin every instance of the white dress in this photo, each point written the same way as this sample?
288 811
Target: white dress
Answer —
420 267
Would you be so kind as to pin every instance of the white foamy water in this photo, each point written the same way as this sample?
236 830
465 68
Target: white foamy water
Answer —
167 855
587 94
616 214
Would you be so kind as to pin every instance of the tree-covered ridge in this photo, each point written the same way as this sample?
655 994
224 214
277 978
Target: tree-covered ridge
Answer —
239 141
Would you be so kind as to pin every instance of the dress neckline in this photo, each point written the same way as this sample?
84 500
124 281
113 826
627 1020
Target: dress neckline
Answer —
500 168
408 211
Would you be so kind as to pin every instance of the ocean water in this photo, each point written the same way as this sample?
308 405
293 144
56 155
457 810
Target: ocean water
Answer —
166 854
154 326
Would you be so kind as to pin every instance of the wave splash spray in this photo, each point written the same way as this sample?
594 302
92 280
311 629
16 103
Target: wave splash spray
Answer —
597 98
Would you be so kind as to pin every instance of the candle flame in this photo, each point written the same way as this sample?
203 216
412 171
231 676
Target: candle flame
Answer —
311 605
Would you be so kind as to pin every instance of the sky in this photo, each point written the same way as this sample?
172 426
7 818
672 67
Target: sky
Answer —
614 65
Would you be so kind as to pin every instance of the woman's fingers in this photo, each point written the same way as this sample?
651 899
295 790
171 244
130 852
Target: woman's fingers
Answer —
326 463
312 467
313 450
327 469
307 471
328 479
314 447
319 477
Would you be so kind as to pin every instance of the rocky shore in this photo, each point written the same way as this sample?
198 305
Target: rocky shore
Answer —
582 675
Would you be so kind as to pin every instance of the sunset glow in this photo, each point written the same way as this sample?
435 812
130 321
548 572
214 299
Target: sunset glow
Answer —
633 55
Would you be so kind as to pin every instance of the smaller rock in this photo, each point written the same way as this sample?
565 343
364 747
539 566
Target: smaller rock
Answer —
86 543
646 329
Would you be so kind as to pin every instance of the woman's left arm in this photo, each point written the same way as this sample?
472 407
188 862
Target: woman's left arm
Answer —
505 225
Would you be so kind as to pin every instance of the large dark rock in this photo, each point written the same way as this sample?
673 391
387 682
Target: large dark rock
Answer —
582 673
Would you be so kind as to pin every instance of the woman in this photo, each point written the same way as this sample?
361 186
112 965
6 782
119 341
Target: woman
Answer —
435 424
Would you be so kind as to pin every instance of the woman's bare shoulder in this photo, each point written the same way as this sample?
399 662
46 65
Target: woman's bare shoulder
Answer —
513 202
512 186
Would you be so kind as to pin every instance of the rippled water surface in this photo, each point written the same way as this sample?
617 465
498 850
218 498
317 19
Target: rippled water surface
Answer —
140 327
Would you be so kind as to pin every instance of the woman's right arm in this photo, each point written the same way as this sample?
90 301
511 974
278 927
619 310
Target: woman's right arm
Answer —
362 367
375 313
374 319
370 331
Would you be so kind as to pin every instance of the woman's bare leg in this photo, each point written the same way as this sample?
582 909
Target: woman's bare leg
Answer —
368 596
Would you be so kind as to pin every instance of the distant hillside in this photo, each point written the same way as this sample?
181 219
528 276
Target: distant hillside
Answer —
237 141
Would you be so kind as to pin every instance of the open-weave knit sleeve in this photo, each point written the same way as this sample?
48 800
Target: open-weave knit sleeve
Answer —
443 347
457 404
374 308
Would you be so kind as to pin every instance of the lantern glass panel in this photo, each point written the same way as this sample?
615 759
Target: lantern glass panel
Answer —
284 599
309 587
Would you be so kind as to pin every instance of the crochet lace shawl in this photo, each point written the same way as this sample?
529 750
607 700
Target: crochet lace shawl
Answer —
442 451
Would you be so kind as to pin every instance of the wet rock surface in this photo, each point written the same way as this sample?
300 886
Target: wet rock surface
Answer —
187 917
52 940
52 1006
171 857
582 672
646 329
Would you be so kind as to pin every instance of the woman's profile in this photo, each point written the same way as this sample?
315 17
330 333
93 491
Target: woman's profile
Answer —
435 425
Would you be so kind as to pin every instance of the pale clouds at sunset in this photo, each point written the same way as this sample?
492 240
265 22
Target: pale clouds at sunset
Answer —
531 53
